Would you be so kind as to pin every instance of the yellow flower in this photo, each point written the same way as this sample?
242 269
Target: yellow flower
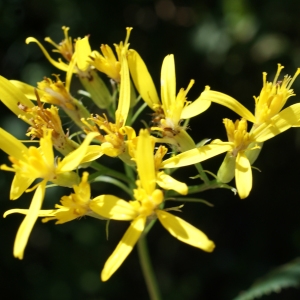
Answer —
172 109
113 141
269 103
72 207
34 163
107 62
49 91
146 205
240 143
65 48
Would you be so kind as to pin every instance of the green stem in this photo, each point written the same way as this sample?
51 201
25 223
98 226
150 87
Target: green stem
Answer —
147 269
111 180
107 171
202 174
137 113
214 184
130 173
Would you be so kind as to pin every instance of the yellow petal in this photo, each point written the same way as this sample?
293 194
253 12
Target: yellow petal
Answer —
28 222
196 155
46 148
129 131
124 98
185 232
124 247
73 160
92 153
70 71
195 108
11 145
11 96
42 212
19 185
169 183
112 207
82 50
27 90
145 161
59 65
168 83
279 123
142 79
229 102
243 175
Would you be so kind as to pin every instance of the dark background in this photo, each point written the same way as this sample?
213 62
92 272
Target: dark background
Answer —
225 44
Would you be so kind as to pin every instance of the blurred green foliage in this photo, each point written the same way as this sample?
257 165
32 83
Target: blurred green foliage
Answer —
225 44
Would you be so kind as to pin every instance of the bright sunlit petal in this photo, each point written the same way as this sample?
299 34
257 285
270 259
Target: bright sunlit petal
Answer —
229 102
243 175
145 161
142 79
185 232
196 155
29 221
112 207
168 83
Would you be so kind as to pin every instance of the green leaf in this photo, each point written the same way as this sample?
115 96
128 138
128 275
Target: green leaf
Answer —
285 276
107 179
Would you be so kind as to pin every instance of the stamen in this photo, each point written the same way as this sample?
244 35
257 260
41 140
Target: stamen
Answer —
264 78
189 86
280 67
128 29
294 78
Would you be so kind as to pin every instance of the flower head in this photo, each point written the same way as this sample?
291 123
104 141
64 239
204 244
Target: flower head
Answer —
173 108
147 203
107 62
65 48
237 163
34 163
268 104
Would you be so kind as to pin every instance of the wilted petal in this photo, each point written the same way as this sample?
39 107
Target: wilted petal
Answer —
124 247
169 183
196 155
185 232
229 102
112 207
243 175
142 79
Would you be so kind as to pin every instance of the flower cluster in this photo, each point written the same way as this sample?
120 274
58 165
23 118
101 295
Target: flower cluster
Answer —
150 155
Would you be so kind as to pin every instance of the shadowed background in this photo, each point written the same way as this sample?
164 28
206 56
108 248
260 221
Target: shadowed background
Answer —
224 44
